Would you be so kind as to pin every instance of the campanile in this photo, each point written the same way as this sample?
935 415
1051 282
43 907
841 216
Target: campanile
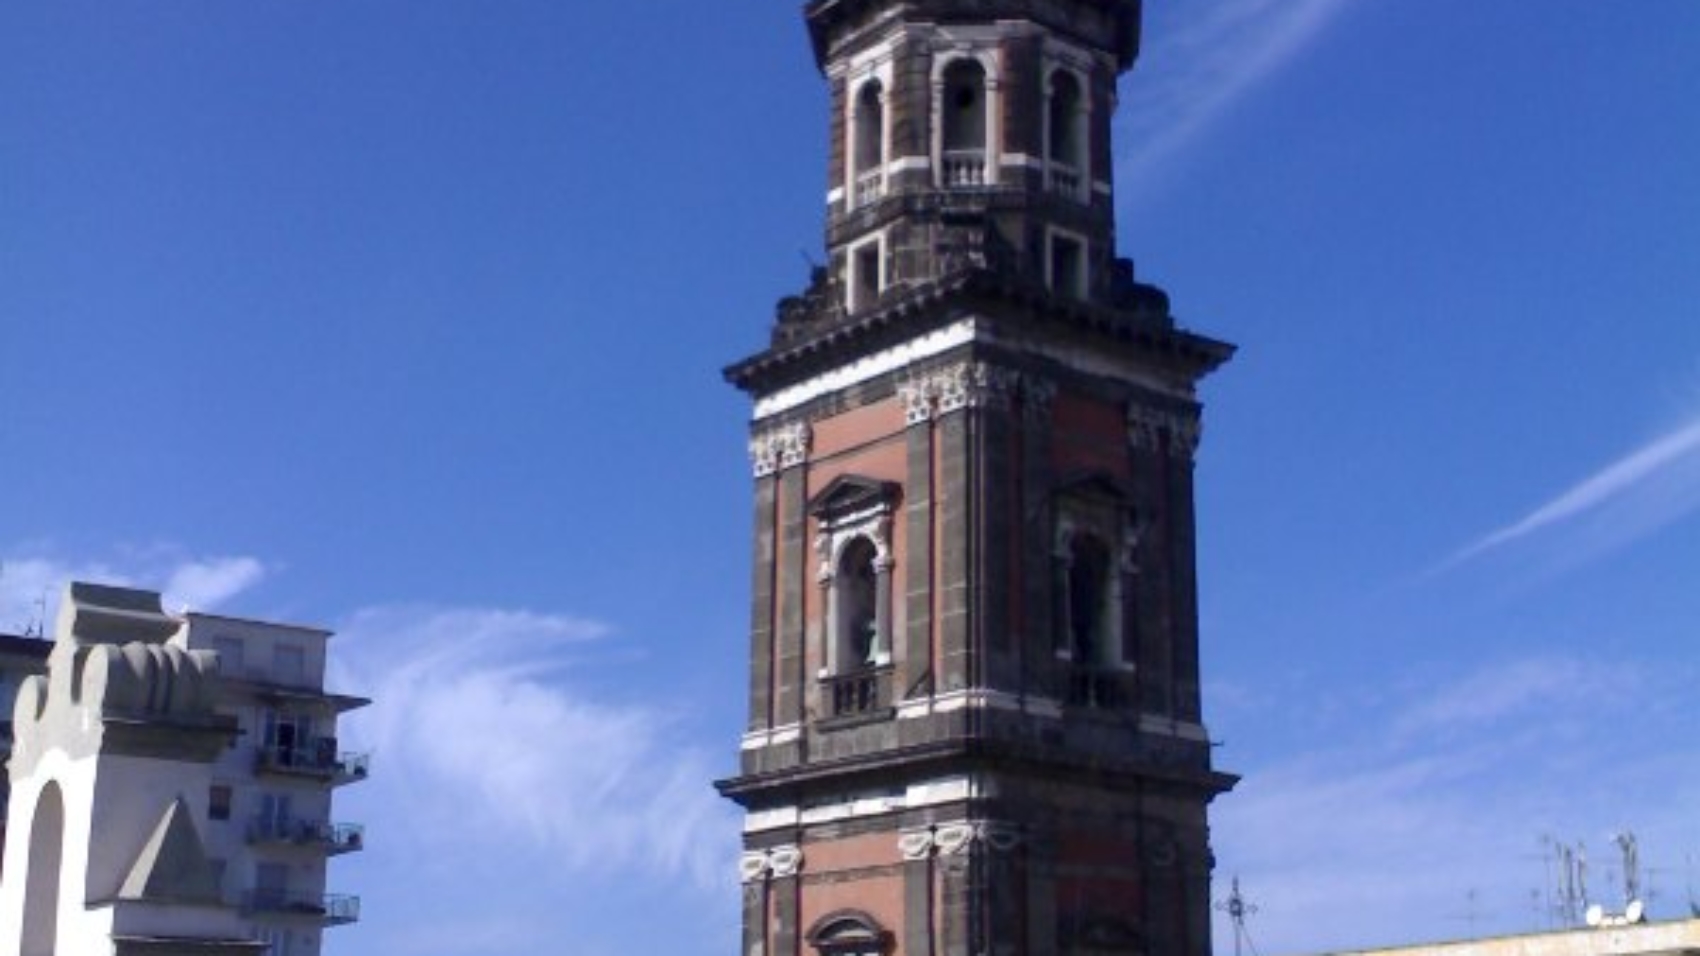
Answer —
974 717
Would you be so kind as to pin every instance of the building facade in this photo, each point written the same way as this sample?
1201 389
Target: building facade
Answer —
974 715
171 780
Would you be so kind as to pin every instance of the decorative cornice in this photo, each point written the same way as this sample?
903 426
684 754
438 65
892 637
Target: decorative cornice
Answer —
1146 428
955 839
781 447
777 863
956 387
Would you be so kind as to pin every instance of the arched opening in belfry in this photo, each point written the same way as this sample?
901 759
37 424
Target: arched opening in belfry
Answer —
963 123
42 875
1089 600
858 609
867 134
1066 121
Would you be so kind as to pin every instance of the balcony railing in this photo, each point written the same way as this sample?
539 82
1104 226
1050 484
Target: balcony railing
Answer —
964 168
333 838
859 693
1064 180
1096 687
327 910
319 759
870 187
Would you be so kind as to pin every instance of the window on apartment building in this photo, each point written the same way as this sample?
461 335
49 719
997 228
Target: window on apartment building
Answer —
218 802
229 651
289 737
271 884
289 663
274 819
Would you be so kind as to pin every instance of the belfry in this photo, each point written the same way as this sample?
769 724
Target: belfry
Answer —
974 716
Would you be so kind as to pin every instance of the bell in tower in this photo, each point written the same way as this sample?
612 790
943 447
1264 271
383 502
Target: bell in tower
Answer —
974 722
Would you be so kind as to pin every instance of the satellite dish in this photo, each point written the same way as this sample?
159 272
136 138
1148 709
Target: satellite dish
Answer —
1596 915
1636 912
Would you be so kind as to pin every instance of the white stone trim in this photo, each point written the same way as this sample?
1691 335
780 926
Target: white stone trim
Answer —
978 699
776 863
927 793
907 164
957 334
777 449
870 367
1169 727
772 737
835 195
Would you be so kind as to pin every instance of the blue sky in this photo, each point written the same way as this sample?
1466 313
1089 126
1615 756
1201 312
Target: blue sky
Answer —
406 319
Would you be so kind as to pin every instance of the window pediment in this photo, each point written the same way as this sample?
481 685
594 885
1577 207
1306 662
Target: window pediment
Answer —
851 495
849 932
1099 485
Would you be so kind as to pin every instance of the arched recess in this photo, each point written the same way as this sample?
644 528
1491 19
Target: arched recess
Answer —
42 875
1066 143
849 933
868 143
964 109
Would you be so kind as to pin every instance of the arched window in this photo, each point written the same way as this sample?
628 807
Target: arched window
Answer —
1065 134
856 550
1089 601
860 644
867 130
963 124
41 879
849 933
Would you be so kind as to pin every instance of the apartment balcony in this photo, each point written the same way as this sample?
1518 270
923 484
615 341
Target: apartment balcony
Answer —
284 906
320 760
964 168
334 839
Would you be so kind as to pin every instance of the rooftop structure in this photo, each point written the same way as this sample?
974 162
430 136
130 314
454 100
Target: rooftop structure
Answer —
172 779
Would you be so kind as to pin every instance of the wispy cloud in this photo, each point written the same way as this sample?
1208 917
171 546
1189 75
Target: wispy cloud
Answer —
31 581
1652 486
496 746
1218 52
1377 836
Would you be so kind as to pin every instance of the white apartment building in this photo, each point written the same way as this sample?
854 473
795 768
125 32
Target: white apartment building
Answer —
269 827
172 781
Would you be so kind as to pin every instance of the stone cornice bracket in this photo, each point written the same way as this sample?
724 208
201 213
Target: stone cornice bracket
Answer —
1037 395
1146 428
955 387
781 447
778 863
955 839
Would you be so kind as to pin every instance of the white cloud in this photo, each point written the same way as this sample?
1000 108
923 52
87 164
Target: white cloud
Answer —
1380 834
30 583
1648 489
482 715
1221 51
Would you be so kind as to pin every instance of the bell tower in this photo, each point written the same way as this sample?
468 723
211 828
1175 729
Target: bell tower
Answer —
974 717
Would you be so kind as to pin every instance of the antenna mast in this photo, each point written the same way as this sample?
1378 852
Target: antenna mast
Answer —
1238 909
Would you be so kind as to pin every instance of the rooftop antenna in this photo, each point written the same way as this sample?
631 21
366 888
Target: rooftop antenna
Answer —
37 627
1631 866
1238 909
1472 910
